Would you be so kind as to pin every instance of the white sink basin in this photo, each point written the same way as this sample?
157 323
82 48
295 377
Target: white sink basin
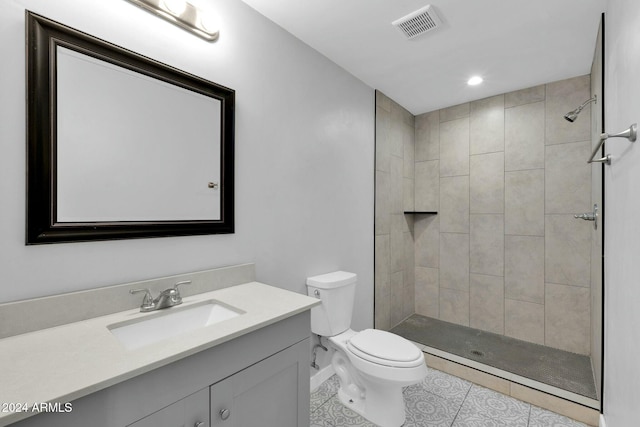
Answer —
170 323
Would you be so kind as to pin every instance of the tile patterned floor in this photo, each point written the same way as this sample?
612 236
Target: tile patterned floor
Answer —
441 400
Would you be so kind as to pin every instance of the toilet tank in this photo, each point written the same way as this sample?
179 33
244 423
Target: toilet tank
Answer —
337 291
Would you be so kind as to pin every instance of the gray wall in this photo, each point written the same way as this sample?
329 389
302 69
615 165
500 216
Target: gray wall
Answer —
622 243
394 268
504 254
304 157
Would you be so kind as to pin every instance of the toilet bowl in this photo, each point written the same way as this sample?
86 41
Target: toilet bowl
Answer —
372 365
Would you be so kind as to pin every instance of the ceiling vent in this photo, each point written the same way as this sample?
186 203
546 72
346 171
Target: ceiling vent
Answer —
419 22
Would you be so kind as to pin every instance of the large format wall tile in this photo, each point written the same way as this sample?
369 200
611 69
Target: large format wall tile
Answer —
382 317
524 320
427 136
454 261
427 241
407 222
382 263
454 204
486 183
383 148
409 148
486 125
454 306
408 293
562 97
396 243
524 96
427 292
381 272
568 178
396 185
383 203
454 147
486 247
486 303
408 161
524 268
409 275
567 250
396 286
395 169
524 137
408 194
409 256
455 112
567 318
505 175
524 202
396 126
383 101
427 186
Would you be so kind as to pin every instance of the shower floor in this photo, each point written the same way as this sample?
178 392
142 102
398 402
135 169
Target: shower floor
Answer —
567 371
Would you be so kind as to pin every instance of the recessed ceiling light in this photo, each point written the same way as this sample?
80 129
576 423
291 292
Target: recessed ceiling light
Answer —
475 80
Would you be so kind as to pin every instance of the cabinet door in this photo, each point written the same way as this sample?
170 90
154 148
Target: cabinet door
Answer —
188 412
273 392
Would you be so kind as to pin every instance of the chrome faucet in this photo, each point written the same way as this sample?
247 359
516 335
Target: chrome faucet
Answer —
167 298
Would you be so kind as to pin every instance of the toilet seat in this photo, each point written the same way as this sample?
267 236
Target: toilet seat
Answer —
385 348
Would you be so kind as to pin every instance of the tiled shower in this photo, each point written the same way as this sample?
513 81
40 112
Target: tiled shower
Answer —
504 253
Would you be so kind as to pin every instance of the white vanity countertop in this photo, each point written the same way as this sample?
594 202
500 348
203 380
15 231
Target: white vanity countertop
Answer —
67 362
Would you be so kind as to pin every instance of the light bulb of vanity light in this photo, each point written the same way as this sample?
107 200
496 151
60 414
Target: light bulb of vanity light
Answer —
175 7
184 15
208 22
474 81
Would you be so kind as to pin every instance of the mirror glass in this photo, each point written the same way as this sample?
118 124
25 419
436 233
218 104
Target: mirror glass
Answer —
122 146
131 147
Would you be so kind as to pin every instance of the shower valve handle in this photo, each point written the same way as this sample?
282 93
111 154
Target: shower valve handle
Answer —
590 216
586 216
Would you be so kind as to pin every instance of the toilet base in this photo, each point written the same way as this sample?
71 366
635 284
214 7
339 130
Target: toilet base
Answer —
383 406
378 401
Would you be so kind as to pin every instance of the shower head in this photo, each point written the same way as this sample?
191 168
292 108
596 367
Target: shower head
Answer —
571 116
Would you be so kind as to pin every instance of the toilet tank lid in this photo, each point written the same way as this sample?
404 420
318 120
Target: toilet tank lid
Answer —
336 279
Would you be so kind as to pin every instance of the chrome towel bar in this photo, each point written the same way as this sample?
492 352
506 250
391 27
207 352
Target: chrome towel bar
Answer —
630 134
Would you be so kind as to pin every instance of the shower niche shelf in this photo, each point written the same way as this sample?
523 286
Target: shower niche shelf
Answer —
421 212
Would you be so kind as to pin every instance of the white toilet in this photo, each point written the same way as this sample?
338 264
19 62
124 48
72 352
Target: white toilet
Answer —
372 365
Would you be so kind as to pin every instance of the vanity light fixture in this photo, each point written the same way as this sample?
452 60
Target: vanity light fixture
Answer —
474 81
184 15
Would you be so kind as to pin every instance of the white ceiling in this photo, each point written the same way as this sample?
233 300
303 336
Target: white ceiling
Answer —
512 44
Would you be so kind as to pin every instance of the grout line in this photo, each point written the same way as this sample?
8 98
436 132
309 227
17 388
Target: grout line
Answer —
544 225
504 223
462 404
469 323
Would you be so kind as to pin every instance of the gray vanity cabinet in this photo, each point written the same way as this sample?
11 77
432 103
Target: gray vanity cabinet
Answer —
265 394
187 412
260 379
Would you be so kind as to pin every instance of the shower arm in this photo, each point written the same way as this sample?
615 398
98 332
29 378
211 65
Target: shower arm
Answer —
584 104
630 134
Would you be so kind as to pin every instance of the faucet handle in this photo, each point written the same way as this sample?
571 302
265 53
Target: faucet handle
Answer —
175 288
147 302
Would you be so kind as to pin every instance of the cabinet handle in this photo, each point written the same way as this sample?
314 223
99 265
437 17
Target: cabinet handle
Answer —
225 413
199 424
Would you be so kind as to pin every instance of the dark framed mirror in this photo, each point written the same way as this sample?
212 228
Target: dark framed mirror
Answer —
122 146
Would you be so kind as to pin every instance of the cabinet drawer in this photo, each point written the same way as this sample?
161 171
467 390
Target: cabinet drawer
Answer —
188 412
